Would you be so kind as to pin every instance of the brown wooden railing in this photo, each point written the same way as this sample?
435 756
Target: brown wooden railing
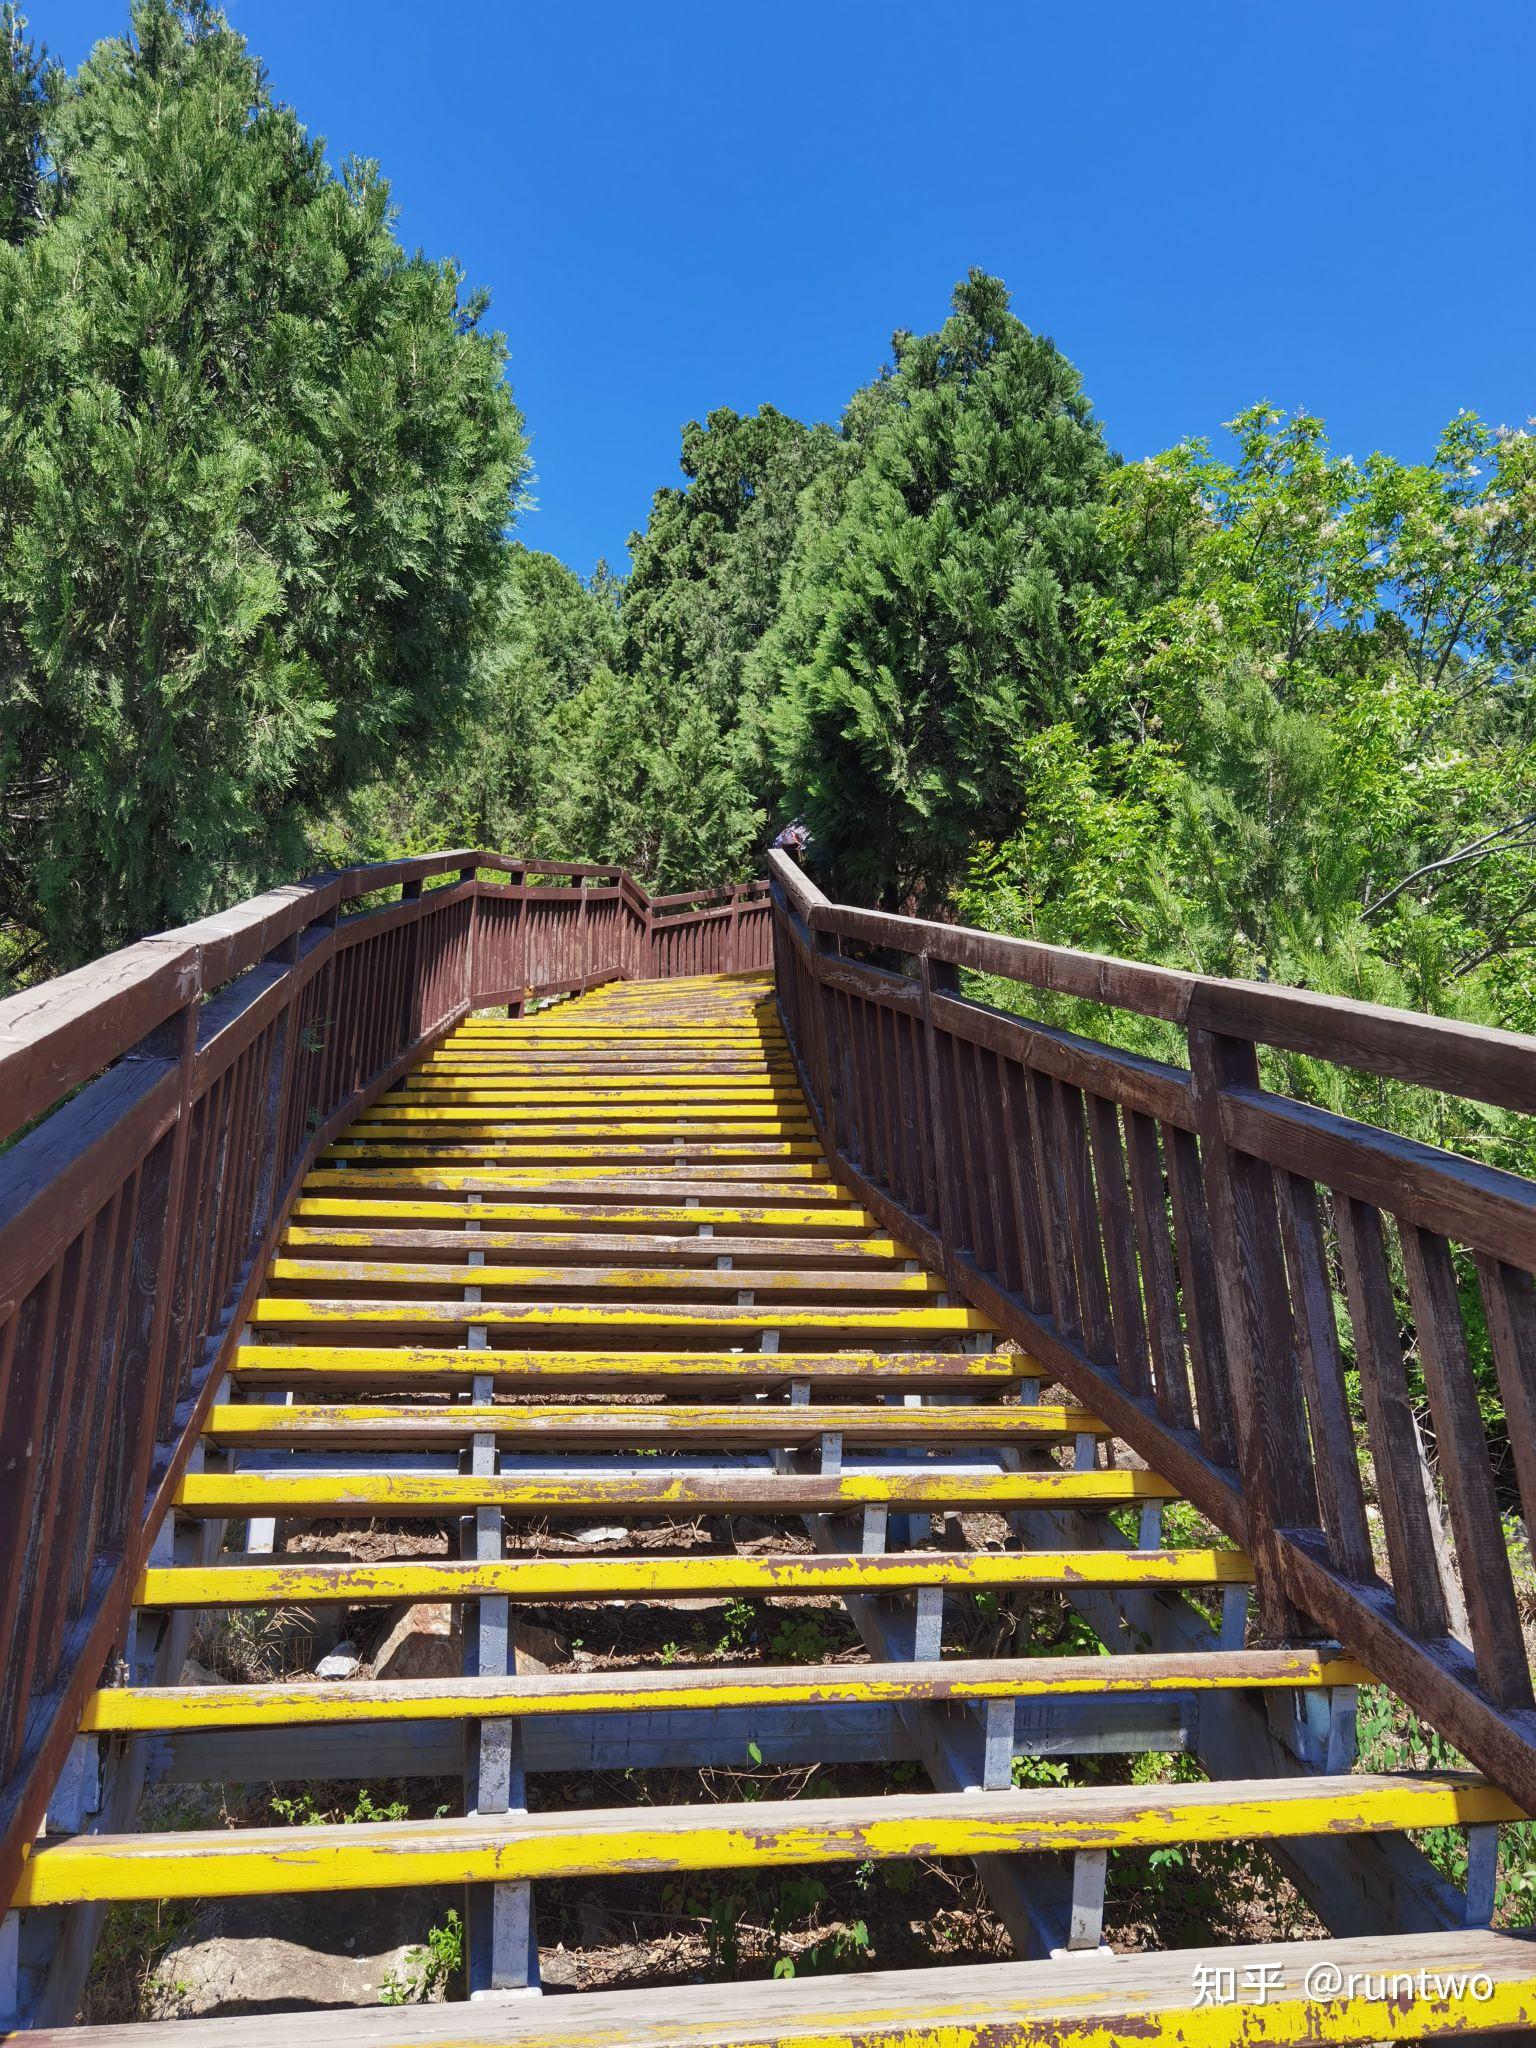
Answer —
191 1079
1168 1239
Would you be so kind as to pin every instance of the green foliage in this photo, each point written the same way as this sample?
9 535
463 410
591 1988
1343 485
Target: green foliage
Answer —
429 1969
497 774
740 1626
1311 701
302 1811
25 83
929 626
255 465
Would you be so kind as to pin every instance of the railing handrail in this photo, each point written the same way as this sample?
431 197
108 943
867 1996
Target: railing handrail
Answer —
1479 1061
59 1033
1166 1238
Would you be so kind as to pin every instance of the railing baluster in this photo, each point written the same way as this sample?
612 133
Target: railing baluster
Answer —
1396 1454
1482 1555
1340 1496
1160 1287
1268 1408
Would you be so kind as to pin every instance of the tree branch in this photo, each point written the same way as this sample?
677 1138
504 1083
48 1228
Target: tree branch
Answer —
1479 849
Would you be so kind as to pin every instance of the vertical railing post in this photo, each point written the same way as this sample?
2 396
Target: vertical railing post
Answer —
518 977
1270 1419
733 940
410 892
939 977
161 1249
285 1059
471 965
583 933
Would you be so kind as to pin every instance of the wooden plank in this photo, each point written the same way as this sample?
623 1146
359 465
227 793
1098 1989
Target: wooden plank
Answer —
1202 1306
247 1862
153 1709
1269 1412
1482 1552
274 1311
657 1248
671 1212
1117 1225
1509 1302
597 1184
359 1274
1340 1494
225 1495
1394 1439
282 1364
1487 1983
1154 1249
777 1424
265 1582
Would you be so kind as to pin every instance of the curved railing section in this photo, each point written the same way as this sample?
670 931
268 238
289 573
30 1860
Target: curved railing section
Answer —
159 1109
1170 1240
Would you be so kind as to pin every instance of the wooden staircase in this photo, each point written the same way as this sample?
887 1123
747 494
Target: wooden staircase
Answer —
592 1265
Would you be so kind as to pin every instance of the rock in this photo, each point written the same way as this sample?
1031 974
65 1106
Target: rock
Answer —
422 1643
342 1662
603 1534
193 1673
282 1954
537 1649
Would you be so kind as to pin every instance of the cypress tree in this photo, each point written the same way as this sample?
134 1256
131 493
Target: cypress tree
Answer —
255 464
929 618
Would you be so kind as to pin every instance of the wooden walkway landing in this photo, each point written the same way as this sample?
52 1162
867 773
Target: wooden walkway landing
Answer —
591 1267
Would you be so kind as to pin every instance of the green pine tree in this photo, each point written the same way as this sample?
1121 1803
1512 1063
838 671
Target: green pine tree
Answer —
255 467
929 616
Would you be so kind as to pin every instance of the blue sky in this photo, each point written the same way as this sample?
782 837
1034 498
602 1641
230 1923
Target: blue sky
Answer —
676 206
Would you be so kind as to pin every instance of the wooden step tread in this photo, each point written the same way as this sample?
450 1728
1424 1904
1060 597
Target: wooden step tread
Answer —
657 1248
689 1091
777 1424
622 1188
671 1211
609 1110
771 1834
450 1273
407 1150
576 1315
761 1491
1394 1988
149 1709
872 1370
238 1581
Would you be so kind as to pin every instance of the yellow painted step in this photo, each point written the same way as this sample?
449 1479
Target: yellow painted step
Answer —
764 1491
668 1159
680 1186
180 1709
599 1119
532 1246
1404 1988
277 1582
671 1214
679 1093
872 1372
777 1424
775 1834
529 1166
661 1320
363 1274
